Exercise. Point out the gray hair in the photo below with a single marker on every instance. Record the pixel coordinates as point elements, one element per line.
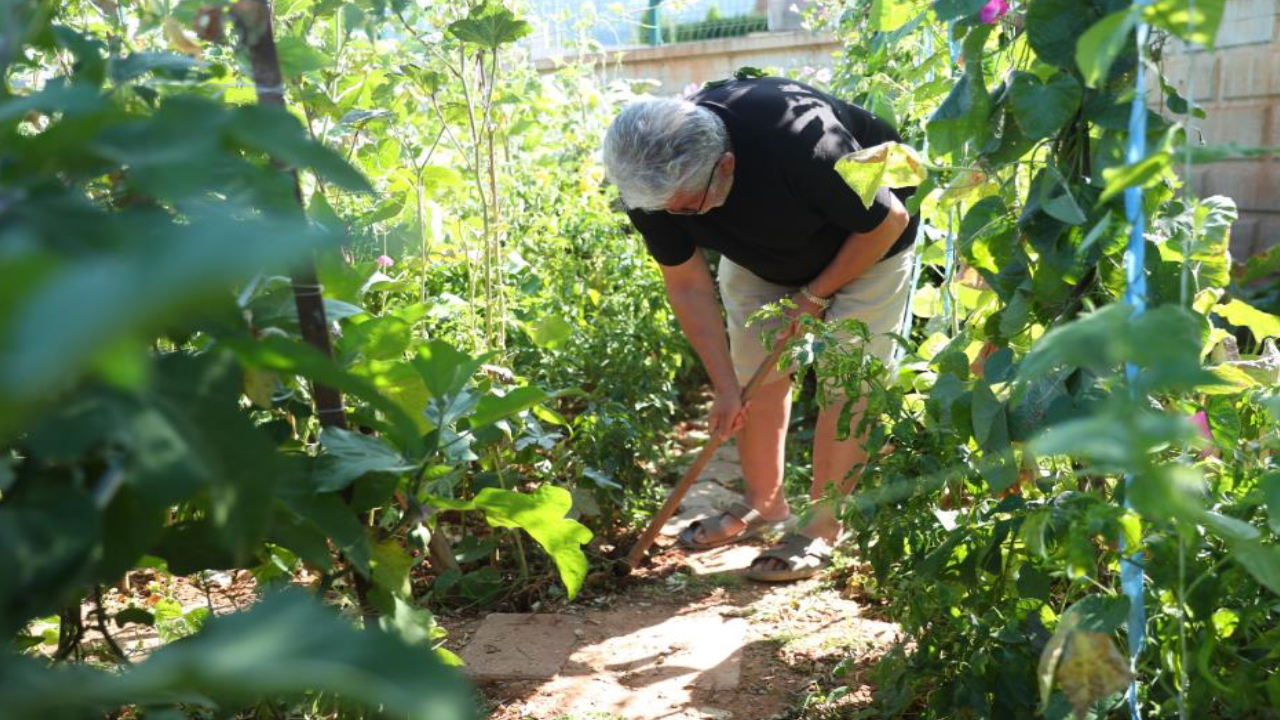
<point>658,147</point>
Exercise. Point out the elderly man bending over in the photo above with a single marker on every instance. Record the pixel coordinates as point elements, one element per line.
<point>747,168</point>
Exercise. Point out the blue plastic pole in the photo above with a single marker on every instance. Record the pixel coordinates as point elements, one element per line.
<point>1136,296</point>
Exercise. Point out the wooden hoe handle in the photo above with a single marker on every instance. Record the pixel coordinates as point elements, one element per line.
<point>678,492</point>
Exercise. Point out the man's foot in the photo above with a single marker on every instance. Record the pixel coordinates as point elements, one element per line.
<point>738,522</point>
<point>795,558</point>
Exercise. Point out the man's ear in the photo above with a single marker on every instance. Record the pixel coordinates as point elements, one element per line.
<point>726,163</point>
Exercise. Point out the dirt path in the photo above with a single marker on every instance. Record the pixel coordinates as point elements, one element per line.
<point>689,639</point>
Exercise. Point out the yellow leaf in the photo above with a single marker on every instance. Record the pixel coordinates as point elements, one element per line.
<point>259,386</point>
<point>889,164</point>
<point>1091,669</point>
<point>970,186</point>
<point>179,40</point>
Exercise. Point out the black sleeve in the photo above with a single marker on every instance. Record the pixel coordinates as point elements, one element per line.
<point>832,197</point>
<point>666,241</point>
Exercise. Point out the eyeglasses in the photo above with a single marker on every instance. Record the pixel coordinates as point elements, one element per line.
<point>705,193</point>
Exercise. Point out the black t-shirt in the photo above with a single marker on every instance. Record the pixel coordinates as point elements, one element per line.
<point>788,212</point>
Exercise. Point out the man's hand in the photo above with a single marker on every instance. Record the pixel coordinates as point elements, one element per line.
<point>727,412</point>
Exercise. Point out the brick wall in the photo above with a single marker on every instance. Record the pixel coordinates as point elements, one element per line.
<point>1238,85</point>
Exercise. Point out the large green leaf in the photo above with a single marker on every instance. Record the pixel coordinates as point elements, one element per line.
<point>889,164</point>
<point>91,302</point>
<point>1194,20</point>
<point>47,541</point>
<point>1042,108</point>
<point>298,57</point>
<point>284,355</point>
<point>490,26</point>
<point>1164,343</point>
<point>962,116</point>
<point>276,132</point>
<point>1102,43</point>
<point>445,369</point>
<point>887,15</point>
<point>1054,27</point>
<point>1262,561</point>
<point>1144,173</point>
<point>990,422</point>
<point>283,647</point>
<point>1237,312</point>
<point>552,332</point>
<point>493,407</point>
<point>1270,486</point>
<point>542,515</point>
<point>348,456</point>
<point>1207,227</point>
<point>956,9</point>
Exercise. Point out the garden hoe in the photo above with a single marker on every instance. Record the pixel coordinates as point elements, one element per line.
<point>634,558</point>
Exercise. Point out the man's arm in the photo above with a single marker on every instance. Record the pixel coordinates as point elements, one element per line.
<point>860,251</point>
<point>692,293</point>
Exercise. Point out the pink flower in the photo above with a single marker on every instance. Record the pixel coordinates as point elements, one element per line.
<point>1201,420</point>
<point>994,9</point>
<point>384,261</point>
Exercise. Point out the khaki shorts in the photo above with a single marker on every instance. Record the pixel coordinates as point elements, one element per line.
<point>878,298</point>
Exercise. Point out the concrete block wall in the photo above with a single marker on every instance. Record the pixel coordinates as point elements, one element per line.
<point>1238,85</point>
<point>678,65</point>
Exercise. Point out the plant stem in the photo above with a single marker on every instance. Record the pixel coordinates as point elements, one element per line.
<point>102,627</point>
<point>521,558</point>
<point>253,18</point>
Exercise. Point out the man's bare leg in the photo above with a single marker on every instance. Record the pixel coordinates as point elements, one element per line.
<point>761,446</point>
<point>832,461</point>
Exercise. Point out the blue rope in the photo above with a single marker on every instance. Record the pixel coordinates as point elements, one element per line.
<point>1136,296</point>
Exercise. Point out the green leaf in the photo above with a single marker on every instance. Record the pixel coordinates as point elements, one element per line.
<point>1241,314</point>
<point>1042,108</point>
<point>288,356</point>
<point>956,9</point>
<point>331,517</point>
<point>542,515</point>
<point>1057,201</point>
<point>135,65</point>
<point>1102,43</point>
<point>990,423</point>
<point>348,456</point>
<point>413,623</point>
<point>1100,613</point>
<point>964,113</point>
<point>1262,562</point>
<point>47,541</point>
<point>1208,223</point>
<point>391,564</point>
<point>1198,24</point>
<point>962,116</point>
<point>888,15</point>
<point>1270,486</point>
<point>1144,173</point>
<point>80,309</point>
<point>552,332</point>
<point>286,645</point>
<point>276,132</point>
<point>1051,657</point>
<point>134,615</point>
<point>492,407</point>
<point>1261,265</point>
<point>1053,27</point>
<point>297,57</point>
<point>888,164</point>
<point>490,26</point>
<point>444,369</point>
